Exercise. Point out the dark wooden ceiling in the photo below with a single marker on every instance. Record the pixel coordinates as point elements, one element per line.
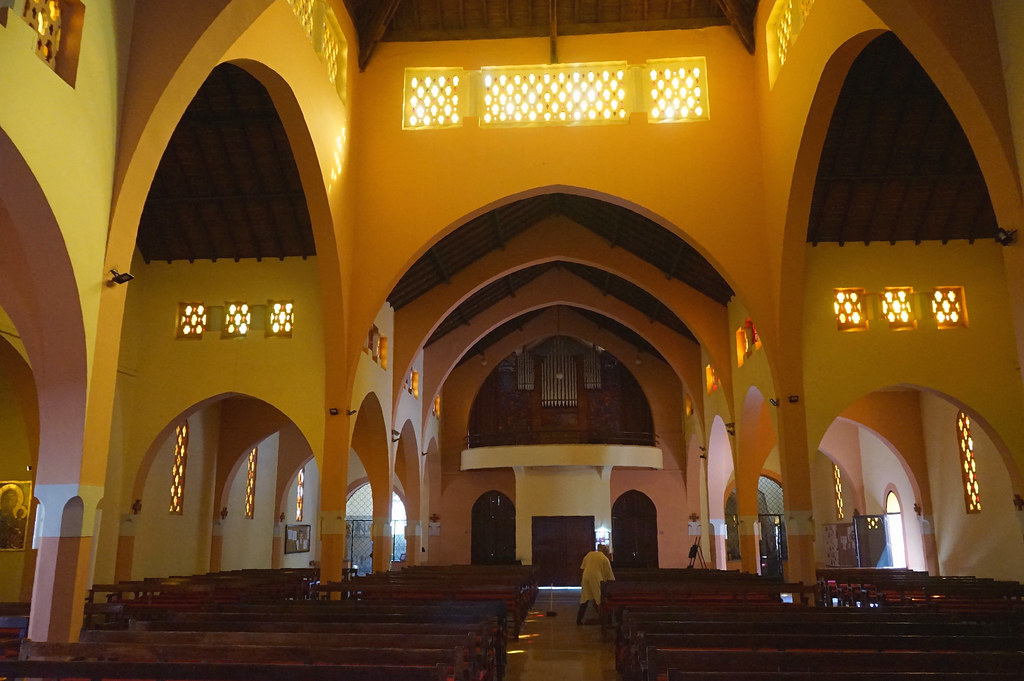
<point>426,20</point>
<point>621,227</point>
<point>896,165</point>
<point>227,185</point>
<point>606,282</point>
<point>597,319</point>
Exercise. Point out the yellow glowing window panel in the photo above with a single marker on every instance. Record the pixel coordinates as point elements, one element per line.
<point>300,493</point>
<point>280,318</point>
<point>414,384</point>
<point>45,18</point>
<point>335,51</point>
<point>434,98</point>
<point>191,320</point>
<point>577,94</point>
<point>178,469</point>
<point>437,407</point>
<point>711,379</point>
<point>237,319</point>
<point>848,305</point>
<point>783,27</point>
<point>688,405</point>
<point>873,522</point>
<point>383,352</point>
<point>968,465</point>
<point>949,307</point>
<point>305,12</point>
<point>250,486</point>
<point>896,307</point>
<point>838,478</point>
<point>676,90</point>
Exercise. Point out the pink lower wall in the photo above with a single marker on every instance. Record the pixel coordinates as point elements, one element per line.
<point>668,492</point>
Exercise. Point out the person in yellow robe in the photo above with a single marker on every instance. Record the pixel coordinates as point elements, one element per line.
<point>596,569</point>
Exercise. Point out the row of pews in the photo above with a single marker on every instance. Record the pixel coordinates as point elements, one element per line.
<point>741,639</point>
<point>883,587</point>
<point>170,634</point>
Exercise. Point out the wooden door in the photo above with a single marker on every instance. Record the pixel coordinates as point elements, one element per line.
<point>493,538</point>
<point>635,531</point>
<point>559,544</point>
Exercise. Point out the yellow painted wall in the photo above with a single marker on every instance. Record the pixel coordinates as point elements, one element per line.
<point>986,544</point>
<point>248,541</point>
<point>168,544</point>
<point>841,367</point>
<point>167,376</point>
<point>541,491</point>
<point>15,462</point>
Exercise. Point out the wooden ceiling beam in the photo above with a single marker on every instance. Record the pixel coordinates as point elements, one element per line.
<point>738,17</point>
<point>380,13</point>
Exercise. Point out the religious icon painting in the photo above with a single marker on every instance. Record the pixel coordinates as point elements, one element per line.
<point>15,504</point>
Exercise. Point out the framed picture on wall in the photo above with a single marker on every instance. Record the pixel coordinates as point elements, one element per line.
<point>15,504</point>
<point>296,538</point>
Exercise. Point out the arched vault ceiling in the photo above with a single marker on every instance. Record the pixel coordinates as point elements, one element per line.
<point>621,227</point>
<point>423,20</point>
<point>227,185</point>
<point>896,165</point>
<point>598,320</point>
<point>607,283</point>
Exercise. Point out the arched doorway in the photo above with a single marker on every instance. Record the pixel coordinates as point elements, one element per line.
<point>770,514</point>
<point>894,529</point>
<point>635,531</point>
<point>493,537</point>
<point>358,527</point>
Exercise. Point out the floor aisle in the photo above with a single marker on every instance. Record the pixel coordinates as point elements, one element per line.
<point>555,648</point>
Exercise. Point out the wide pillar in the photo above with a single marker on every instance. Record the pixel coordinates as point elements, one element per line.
<point>64,560</point>
<point>796,482</point>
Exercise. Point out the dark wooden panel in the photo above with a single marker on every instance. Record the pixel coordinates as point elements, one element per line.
<point>559,544</point>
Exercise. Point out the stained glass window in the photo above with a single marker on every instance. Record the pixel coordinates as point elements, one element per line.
<point>300,492</point>
<point>838,479</point>
<point>250,486</point>
<point>178,469</point>
<point>968,465</point>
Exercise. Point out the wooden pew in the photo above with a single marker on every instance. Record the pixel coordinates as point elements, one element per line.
<point>454,659</point>
<point>94,670</point>
<point>688,675</point>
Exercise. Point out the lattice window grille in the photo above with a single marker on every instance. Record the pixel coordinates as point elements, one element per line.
<point>178,466</point>
<point>896,307</point>
<point>305,11</point>
<point>191,320</point>
<point>669,90</point>
<point>237,319</point>
<point>543,95</point>
<point>592,370</point>
<point>838,479</point>
<point>45,17</point>
<point>280,318</point>
<point>558,377</point>
<point>949,307</point>
<point>769,497</point>
<point>524,371</point>
<point>360,504</point>
<point>848,305</point>
<point>968,464</point>
<point>250,486</point>
<point>676,90</point>
<point>300,493</point>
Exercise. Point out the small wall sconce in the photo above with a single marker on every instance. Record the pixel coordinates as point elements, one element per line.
<point>136,506</point>
<point>224,513</point>
<point>120,277</point>
<point>281,517</point>
<point>730,428</point>
<point>772,401</point>
<point>793,399</point>
<point>333,411</point>
<point>395,436</point>
<point>1005,237</point>
<point>350,411</point>
<point>1018,502</point>
<point>917,508</point>
<point>434,518</point>
<point>423,453</point>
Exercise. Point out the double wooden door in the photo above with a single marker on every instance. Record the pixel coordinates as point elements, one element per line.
<point>559,544</point>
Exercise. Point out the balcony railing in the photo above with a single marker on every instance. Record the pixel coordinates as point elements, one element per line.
<point>560,437</point>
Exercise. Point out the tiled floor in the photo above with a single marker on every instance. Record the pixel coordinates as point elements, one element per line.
<point>555,648</point>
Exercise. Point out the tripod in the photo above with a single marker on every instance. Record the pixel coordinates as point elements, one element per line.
<point>697,553</point>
